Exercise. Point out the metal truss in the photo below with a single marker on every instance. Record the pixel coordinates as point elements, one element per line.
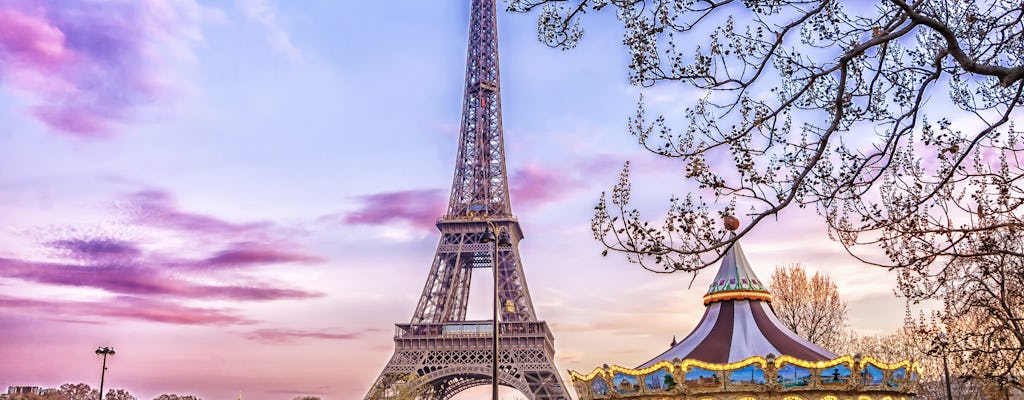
<point>439,354</point>
<point>452,357</point>
<point>480,186</point>
<point>460,251</point>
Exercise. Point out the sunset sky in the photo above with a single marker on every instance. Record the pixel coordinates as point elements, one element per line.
<point>239,197</point>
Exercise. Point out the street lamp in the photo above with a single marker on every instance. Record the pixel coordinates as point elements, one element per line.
<point>940,341</point>
<point>104,351</point>
<point>499,238</point>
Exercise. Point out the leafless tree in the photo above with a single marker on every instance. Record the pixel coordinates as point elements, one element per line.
<point>167,396</point>
<point>809,305</point>
<point>118,394</point>
<point>983,309</point>
<point>893,119</point>
<point>78,391</point>
<point>809,103</point>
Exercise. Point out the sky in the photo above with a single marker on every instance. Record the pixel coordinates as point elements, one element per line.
<point>240,196</point>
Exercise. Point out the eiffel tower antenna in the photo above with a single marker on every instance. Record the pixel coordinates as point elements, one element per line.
<point>439,353</point>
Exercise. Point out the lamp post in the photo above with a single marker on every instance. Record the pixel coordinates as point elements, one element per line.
<point>104,351</point>
<point>498,238</point>
<point>940,341</point>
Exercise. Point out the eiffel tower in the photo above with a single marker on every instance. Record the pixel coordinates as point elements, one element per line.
<point>439,353</point>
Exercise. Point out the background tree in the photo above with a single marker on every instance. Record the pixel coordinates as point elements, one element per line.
<point>983,308</point>
<point>118,394</point>
<point>916,341</point>
<point>893,120</point>
<point>398,388</point>
<point>78,391</point>
<point>167,396</point>
<point>809,305</point>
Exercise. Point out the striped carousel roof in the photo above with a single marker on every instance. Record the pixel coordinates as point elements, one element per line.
<point>739,323</point>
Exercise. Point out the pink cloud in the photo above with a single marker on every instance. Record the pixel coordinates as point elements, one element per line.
<point>87,65</point>
<point>124,307</point>
<point>246,254</point>
<point>419,208</point>
<point>289,335</point>
<point>135,279</point>
<point>150,284</point>
<point>71,119</point>
<point>531,186</point>
<point>30,40</point>
<point>534,185</point>
<point>157,311</point>
<point>158,209</point>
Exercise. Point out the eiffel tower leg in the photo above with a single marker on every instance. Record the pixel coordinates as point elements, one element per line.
<point>537,368</point>
<point>428,364</point>
<point>398,379</point>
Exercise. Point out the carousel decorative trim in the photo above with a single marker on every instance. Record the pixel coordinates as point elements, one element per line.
<point>845,377</point>
<point>737,295</point>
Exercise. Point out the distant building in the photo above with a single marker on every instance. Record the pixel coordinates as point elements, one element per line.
<point>13,390</point>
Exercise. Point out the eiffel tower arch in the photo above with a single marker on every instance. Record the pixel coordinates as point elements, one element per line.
<point>439,353</point>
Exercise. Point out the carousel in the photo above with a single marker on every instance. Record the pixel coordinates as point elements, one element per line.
<point>741,351</point>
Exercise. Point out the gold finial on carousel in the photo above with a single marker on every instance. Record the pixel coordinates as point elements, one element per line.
<point>731,223</point>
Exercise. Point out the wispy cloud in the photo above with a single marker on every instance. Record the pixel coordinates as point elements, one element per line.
<point>418,208</point>
<point>290,335</point>
<point>124,307</point>
<point>96,248</point>
<point>167,266</point>
<point>134,279</point>
<point>265,14</point>
<point>248,254</point>
<point>158,209</point>
<point>534,185</point>
<point>89,65</point>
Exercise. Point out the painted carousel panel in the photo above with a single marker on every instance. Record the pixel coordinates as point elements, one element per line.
<point>871,375</point>
<point>791,376</point>
<point>625,384</point>
<point>750,375</point>
<point>599,387</point>
<point>838,375</point>
<point>897,378</point>
<point>660,380</point>
<point>701,378</point>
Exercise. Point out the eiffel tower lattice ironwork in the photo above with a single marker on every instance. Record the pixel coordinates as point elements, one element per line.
<point>439,354</point>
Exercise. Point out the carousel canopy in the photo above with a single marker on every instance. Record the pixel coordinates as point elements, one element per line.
<point>739,323</point>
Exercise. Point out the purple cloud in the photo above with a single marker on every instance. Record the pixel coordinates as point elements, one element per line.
<point>87,64</point>
<point>289,335</point>
<point>535,185</point>
<point>246,254</point>
<point>531,186</point>
<point>124,307</point>
<point>419,208</point>
<point>151,282</point>
<point>158,209</point>
<point>96,248</point>
<point>134,279</point>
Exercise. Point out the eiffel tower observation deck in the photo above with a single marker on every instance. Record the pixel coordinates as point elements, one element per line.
<point>439,353</point>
